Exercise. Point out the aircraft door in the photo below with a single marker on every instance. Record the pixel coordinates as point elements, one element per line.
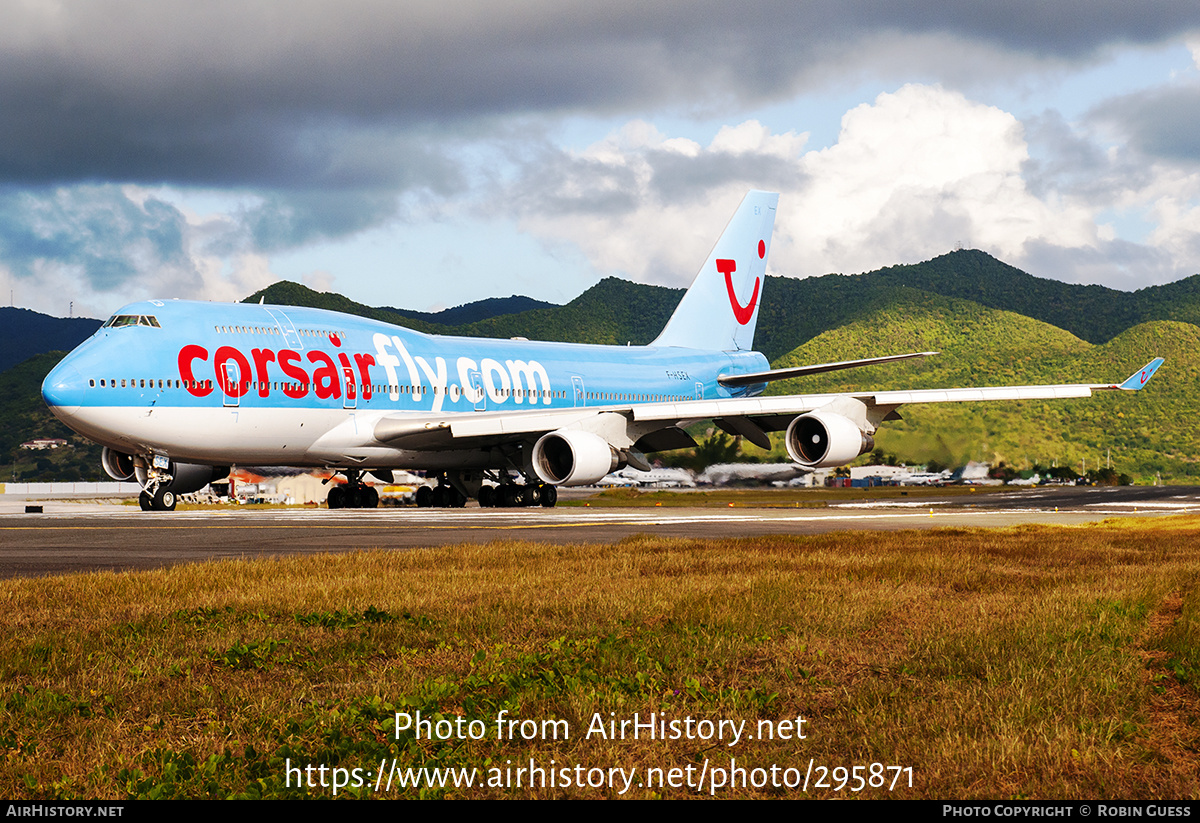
<point>699,391</point>
<point>349,389</point>
<point>285,326</point>
<point>577,391</point>
<point>229,384</point>
<point>477,389</point>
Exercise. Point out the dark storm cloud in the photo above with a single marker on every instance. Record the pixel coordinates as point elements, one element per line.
<point>1118,264</point>
<point>1159,123</point>
<point>560,183</point>
<point>554,182</point>
<point>289,219</point>
<point>273,93</point>
<point>680,178</point>
<point>1072,160</point>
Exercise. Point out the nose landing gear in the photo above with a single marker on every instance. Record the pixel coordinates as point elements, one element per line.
<point>156,493</point>
<point>161,499</point>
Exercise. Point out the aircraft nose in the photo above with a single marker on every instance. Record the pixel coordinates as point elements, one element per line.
<point>63,390</point>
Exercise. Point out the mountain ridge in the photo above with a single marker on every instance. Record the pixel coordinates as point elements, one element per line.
<point>833,317</point>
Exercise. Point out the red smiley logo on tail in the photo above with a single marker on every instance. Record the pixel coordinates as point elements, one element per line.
<point>727,267</point>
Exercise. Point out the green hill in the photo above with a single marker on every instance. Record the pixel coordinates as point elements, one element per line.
<point>613,311</point>
<point>26,418</point>
<point>287,293</point>
<point>24,333</point>
<point>794,311</point>
<point>1148,432</point>
<point>994,325</point>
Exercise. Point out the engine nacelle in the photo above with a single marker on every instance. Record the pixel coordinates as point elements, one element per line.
<point>117,465</point>
<point>191,477</point>
<point>821,439</point>
<point>185,477</point>
<point>573,458</point>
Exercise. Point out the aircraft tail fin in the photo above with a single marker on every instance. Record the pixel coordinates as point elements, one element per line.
<point>720,310</point>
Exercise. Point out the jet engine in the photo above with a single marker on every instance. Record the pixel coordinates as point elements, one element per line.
<point>573,458</point>
<point>191,477</point>
<point>185,477</point>
<point>821,439</point>
<point>117,465</point>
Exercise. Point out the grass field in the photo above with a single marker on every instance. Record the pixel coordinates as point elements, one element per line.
<point>1036,662</point>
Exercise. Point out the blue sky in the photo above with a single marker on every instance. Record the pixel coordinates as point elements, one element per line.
<point>422,155</point>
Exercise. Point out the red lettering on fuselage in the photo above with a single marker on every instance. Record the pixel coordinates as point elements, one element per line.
<point>261,358</point>
<point>365,361</point>
<point>287,362</point>
<point>186,355</point>
<point>235,385</point>
<point>325,377</point>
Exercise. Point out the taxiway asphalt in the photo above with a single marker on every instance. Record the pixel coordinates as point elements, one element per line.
<point>77,536</point>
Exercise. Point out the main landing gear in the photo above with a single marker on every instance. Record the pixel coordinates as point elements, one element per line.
<point>451,493</point>
<point>442,496</point>
<point>510,495</point>
<point>353,494</point>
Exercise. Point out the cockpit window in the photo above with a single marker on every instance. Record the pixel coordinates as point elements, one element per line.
<point>132,320</point>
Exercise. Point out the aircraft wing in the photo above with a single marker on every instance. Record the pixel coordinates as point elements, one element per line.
<point>749,417</point>
<point>819,368</point>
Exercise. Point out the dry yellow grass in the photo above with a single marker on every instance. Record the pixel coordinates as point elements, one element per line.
<point>1028,662</point>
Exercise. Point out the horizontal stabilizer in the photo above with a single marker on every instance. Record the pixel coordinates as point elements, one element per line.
<point>819,368</point>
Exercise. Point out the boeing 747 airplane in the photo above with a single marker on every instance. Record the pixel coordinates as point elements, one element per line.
<point>178,391</point>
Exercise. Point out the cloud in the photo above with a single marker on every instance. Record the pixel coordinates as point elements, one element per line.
<point>99,230</point>
<point>912,175</point>
<point>286,220</point>
<point>1158,123</point>
<point>645,205</point>
<point>103,245</point>
<point>324,120</point>
<point>340,94</point>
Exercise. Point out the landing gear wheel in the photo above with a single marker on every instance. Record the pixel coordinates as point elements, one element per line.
<point>424,497</point>
<point>532,496</point>
<point>145,502</point>
<point>369,498</point>
<point>163,500</point>
<point>336,498</point>
<point>487,497</point>
<point>549,496</point>
<point>509,495</point>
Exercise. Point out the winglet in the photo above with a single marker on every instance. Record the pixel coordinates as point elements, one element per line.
<point>1141,377</point>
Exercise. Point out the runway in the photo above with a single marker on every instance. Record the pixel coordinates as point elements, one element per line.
<point>78,536</point>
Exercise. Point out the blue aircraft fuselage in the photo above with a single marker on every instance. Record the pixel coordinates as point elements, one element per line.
<point>252,383</point>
